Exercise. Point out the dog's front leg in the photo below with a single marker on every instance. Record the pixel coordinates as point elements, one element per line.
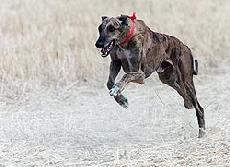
<point>115,67</point>
<point>117,88</point>
<point>137,77</point>
<point>133,58</point>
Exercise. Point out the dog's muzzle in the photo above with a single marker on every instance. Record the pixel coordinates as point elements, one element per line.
<point>105,51</point>
<point>108,48</point>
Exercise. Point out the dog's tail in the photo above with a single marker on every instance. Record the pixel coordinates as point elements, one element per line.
<point>195,67</point>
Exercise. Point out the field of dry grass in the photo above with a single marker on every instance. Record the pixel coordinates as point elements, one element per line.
<point>56,111</point>
<point>51,43</point>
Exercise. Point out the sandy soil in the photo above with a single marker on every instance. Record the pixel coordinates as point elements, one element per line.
<point>83,126</point>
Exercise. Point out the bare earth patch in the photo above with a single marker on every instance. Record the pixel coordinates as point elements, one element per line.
<point>83,126</point>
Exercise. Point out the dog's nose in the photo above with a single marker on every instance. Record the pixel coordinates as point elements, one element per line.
<point>99,44</point>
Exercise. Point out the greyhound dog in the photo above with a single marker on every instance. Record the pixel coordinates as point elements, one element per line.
<point>140,52</point>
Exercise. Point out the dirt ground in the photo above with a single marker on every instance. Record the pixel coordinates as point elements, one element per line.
<point>83,126</point>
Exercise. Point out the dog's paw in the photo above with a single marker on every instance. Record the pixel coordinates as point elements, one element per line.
<point>201,133</point>
<point>114,91</point>
<point>122,101</point>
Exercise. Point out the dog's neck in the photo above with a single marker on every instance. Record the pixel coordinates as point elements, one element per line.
<point>131,31</point>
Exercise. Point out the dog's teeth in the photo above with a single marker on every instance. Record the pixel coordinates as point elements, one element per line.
<point>103,51</point>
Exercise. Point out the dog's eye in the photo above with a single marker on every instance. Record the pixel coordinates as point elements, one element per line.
<point>111,28</point>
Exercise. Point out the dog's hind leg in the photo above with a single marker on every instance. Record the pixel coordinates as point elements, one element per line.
<point>171,76</point>
<point>199,110</point>
<point>185,68</point>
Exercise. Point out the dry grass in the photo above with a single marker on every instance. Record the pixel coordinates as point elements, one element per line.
<point>51,43</point>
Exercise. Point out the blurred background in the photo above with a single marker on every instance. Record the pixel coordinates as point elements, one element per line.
<point>51,43</point>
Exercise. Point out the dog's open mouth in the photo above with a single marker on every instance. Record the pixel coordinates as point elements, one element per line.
<point>107,49</point>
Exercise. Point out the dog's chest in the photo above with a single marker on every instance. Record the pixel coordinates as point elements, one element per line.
<point>123,54</point>
<point>128,59</point>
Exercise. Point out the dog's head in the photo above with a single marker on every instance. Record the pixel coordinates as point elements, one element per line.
<point>111,32</point>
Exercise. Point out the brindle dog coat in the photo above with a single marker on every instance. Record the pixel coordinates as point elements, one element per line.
<point>144,53</point>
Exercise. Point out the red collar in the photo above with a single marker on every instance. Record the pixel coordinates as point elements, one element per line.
<point>131,31</point>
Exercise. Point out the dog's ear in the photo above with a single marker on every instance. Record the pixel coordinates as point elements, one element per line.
<point>103,18</point>
<point>123,19</point>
